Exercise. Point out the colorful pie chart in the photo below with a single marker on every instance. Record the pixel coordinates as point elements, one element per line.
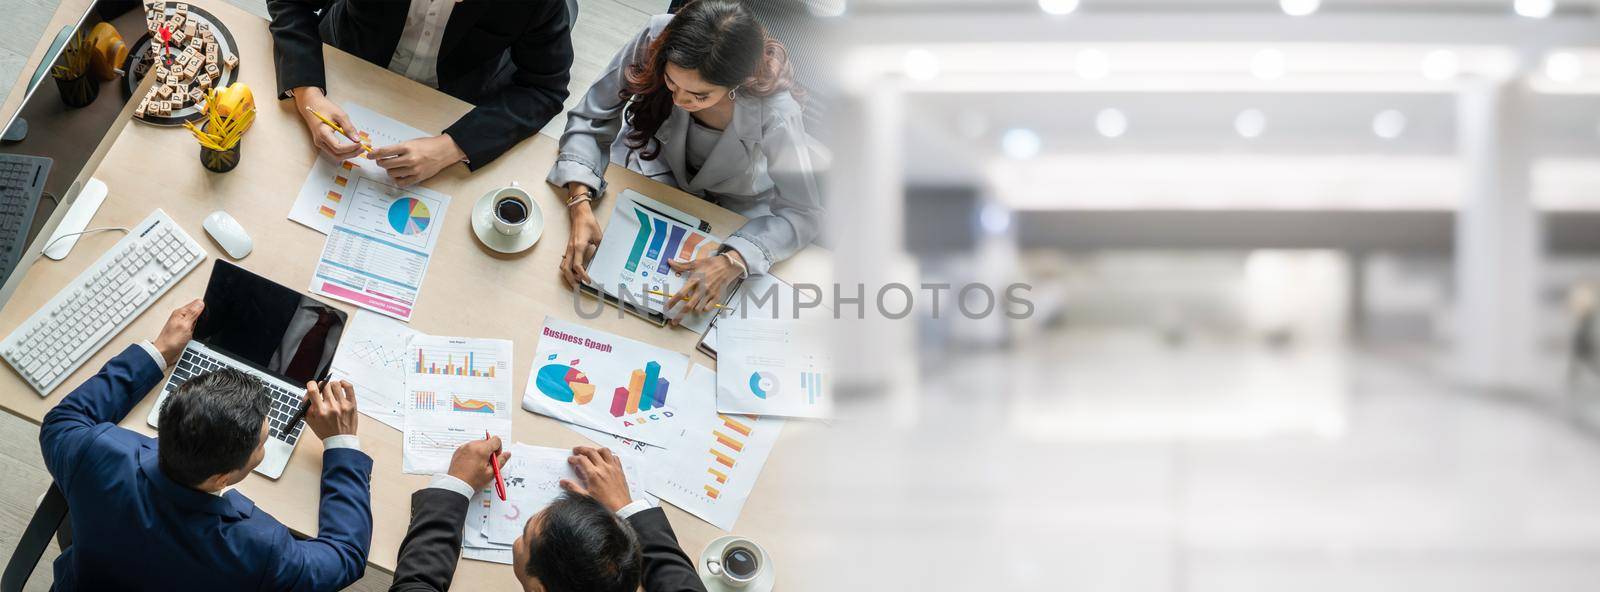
<point>565,384</point>
<point>763,384</point>
<point>408,215</point>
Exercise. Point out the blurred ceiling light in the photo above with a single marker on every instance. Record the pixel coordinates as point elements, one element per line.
<point>1441,64</point>
<point>921,64</point>
<point>1058,7</point>
<point>1021,143</point>
<point>1111,123</point>
<point>1389,124</point>
<point>1092,64</point>
<point>1268,64</point>
<point>1250,123</point>
<point>1534,8</point>
<point>826,8</point>
<point>1562,66</point>
<point>995,218</point>
<point>1299,7</point>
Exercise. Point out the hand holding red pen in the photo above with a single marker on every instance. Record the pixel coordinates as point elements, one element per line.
<point>471,462</point>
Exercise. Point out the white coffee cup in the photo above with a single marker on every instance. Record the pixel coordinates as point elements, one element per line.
<point>512,210</point>
<point>741,562</point>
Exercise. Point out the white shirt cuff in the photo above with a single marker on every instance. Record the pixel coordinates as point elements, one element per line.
<point>449,483</point>
<point>155,354</point>
<point>341,441</point>
<point>634,507</point>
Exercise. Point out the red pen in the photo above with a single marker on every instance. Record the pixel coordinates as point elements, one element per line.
<point>494,463</point>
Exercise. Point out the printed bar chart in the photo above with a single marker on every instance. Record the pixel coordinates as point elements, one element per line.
<point>635,397</point>
<point>469,366</point>
<point>423,400</point>
<point>811,382</point>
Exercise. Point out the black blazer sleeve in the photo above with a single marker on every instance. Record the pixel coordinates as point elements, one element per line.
<point>432,545</point>
<point>542,57</point>
<point>296,44</point>
<point>666,567</point>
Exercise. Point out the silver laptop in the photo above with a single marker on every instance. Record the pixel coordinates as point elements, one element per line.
<point>269,331</point>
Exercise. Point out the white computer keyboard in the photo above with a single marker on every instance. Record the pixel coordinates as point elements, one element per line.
<point>101,301</point>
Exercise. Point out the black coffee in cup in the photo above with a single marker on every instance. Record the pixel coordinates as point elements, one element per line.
<point>511,210</point>
<point>740,562</point>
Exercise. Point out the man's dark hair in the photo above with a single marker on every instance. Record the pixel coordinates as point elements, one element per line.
<point>211,425</point>
<point>583,547</point>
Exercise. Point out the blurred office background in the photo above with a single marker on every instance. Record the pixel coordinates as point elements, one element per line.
<point>1307,280</point>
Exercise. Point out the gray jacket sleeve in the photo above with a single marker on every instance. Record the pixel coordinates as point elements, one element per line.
<point>594,123</point>
<point>796,204</point>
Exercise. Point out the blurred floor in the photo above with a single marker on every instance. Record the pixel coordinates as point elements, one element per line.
<point>1101,461</point>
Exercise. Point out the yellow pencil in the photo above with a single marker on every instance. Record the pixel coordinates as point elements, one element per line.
<point>669,296</point>
<point>329,122</point>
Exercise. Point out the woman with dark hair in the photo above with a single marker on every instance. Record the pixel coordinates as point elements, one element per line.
<point>706,101</point>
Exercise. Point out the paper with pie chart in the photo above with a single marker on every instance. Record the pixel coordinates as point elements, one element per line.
<point>378,250</point>
<point>457,390</point>
<point>773,367</point>
<point>605,382</point>
<point>533,479</point>
<point>323,194</point>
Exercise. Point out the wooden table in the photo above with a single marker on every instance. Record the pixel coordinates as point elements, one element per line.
<point>508,296</point>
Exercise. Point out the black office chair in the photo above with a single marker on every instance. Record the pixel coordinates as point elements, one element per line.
<point>46,524</point>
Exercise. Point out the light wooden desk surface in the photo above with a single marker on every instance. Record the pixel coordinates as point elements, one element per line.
<point>469,291</point>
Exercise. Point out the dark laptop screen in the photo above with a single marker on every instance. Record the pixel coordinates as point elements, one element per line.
<point>266,325</point>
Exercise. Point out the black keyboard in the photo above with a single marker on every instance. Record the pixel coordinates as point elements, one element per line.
<point>282,408</point>
<point>22,180</point>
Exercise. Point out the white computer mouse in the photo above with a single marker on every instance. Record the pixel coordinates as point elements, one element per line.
<point>228,233</point>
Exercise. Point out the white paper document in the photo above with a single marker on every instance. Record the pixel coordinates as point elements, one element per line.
<point>323,195</point>
<point>758,297</point>
<point>767,367</point>
<point>603,381</point>
<point>378,251</point>
<point>710,469</point>
<point>372,356</point>
<point>457,390</point>
<point>533,480</point>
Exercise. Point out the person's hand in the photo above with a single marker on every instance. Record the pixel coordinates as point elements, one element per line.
<point>178,330</point>
<point>470,462</point>
<point>708,278</point>
<point>328,141</point>
<point>582,241</point>
<point>602,475</point>
<point>331,410</point>
<point>414,161</point>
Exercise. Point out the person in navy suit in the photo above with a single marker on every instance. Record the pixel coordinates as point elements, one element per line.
<point>158,515</point>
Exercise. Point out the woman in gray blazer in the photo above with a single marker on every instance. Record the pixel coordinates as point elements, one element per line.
<point>703,100</point>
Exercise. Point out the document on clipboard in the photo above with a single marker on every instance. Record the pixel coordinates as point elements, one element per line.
<point>631,266</point>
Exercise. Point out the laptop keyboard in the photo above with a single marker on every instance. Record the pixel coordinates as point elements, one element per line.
<point>282,408</point>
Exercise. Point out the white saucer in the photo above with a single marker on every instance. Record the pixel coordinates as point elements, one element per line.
<point>763,583</point>
<point>483,226</point>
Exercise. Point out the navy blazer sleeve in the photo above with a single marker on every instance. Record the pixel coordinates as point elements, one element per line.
<point>96,405</point>
<point>428,556</point>
<point>337,556</point>
<point>543,58</point>
<point>666,567</point>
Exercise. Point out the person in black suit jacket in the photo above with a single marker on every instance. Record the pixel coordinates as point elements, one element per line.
<point>509,59</point>
<point>591,539</point>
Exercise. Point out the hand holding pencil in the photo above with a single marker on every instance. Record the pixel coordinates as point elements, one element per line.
<point>336,139</point>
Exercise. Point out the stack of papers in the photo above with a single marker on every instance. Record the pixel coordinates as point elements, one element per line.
<point>711,465</point>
